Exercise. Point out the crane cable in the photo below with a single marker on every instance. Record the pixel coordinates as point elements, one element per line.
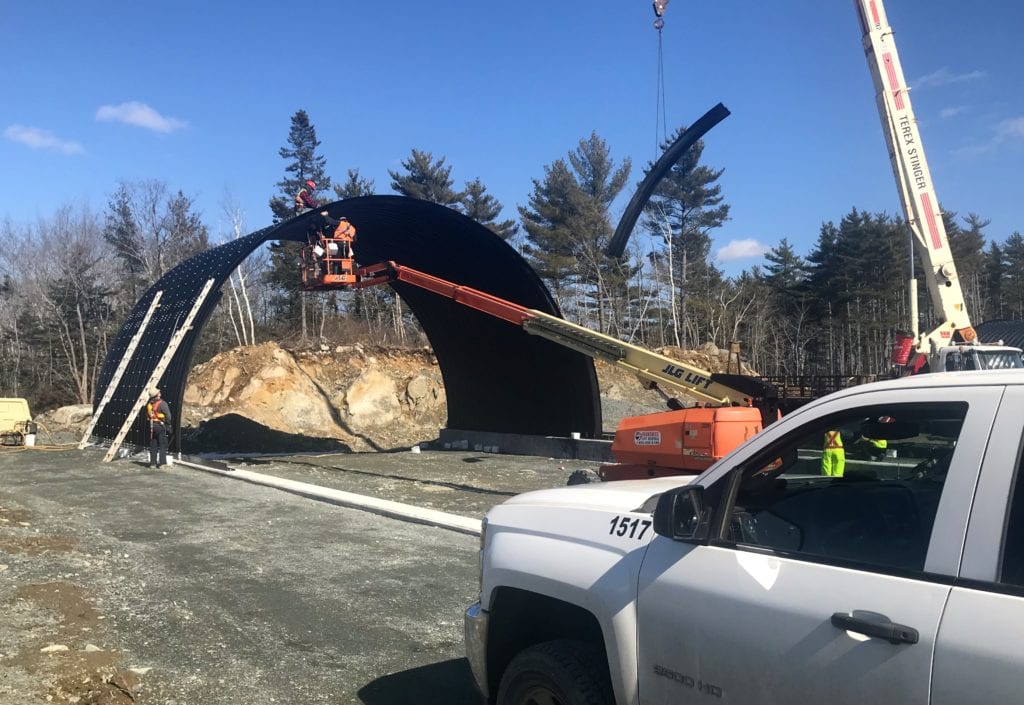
<point>660,119</point>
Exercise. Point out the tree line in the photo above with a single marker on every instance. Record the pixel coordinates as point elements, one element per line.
<point>833,310</point>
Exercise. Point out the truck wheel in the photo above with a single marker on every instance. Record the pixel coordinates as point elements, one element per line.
<point>557,673</point>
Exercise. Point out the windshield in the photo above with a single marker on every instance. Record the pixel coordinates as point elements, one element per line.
<point>996,360</point>
<point>992,360</point>
<point>968,359</point>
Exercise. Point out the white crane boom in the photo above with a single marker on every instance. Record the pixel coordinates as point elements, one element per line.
<point>917,191</point>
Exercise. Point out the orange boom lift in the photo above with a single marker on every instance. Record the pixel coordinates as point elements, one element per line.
<point>681,441</point>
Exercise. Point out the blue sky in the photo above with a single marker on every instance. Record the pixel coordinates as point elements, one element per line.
<point>199,95</point>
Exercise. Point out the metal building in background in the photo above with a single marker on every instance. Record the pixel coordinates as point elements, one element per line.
<point>496,377</point>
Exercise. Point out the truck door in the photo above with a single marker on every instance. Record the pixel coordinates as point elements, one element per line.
<point>978,658</point>
<point>828,558</point>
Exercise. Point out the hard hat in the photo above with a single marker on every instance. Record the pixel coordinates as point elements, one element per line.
<point>154,392</point>
<point>311,183</point>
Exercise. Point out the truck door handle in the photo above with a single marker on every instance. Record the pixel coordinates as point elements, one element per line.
<point>890,631</point>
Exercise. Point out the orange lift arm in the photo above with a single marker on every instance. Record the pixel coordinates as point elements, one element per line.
<point>385,272</point>
<point>653,370</point>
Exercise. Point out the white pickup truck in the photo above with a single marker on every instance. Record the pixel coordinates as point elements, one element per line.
<point>897,578</point>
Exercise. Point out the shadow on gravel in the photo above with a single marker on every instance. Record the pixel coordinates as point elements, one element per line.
<point>232,433</point>
<point>443,683</point>
<point>418,480</point>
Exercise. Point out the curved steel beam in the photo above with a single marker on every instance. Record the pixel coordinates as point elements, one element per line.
<point>666,161</point>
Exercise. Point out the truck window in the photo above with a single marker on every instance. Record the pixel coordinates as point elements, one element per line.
<point>861,486</point>
<point>1012,571</point>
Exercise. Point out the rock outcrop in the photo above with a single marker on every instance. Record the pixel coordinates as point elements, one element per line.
<point>365,399</point>
<point>264,398</point>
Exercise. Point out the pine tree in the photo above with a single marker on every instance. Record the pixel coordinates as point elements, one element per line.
<point>1013,288</point>
<point>685,207</point>
<point>967,246</point>
<point>855,281</point>
<point>186,233</point>
<point>485,209</point>
<point>995,273</point>
<point>122,233</point>
<point>305,164</point>
<point>786,270</point>
<point>425,179</point>
<point>549,222</point>
<point>354,186</point>
<point>152,232</point>
<point>568,227</point>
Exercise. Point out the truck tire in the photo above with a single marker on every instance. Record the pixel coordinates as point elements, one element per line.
<point>559,672</point>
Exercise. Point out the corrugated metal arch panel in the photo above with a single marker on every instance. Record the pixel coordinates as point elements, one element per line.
<point>1010,332</point>
<point>496,377</point>
<point>181,287</point>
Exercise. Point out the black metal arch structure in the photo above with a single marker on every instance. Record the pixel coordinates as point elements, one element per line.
<point>1010,332</point>
<point>496,377</point>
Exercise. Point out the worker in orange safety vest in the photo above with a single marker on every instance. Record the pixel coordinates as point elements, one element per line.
<point>345,234</point>
<point>833,456</point>
<point>304,199</point>
<point>337,245</point>
<point>159,414</point>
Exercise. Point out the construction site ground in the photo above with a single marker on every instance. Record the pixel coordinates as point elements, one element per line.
<point>124,584</point>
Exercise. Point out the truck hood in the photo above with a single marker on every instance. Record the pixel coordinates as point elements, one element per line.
<point>618,496</point>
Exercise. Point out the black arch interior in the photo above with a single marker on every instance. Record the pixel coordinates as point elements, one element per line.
<point>497,378</point>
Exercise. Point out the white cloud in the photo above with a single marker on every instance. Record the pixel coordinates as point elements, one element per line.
<point>741,249</point>
<point>36,138</point>
<point>952,111</point>
<point>1007,132</point>
<point>1010,129</point>
<point>945,77</point>
<point>140,115</point>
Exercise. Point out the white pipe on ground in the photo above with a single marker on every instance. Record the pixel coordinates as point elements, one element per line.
<point>384,507</point>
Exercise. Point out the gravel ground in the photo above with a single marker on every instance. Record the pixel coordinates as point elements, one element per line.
<point>121,584</point>
<point>456,482</point>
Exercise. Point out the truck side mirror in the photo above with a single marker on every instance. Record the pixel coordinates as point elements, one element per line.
<point>681,515</point>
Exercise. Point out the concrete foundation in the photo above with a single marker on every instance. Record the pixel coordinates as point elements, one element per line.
<point>598,450</point>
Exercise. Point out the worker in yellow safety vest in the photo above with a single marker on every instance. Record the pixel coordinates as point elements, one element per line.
<point>876,447</point>
<point>833,456</point>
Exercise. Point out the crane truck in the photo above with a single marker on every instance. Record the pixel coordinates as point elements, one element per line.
<point>764,581</point>
<point>953,344</point>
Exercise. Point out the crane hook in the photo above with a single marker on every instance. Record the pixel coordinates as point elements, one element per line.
<point>659,7</point>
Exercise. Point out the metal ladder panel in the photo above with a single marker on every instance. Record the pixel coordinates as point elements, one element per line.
<point>121,367</point>
<point>158,371</point>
